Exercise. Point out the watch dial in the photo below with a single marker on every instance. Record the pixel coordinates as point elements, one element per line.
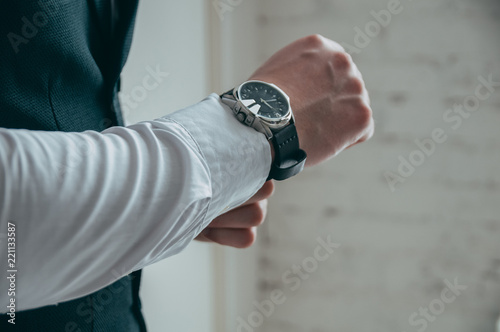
<point>264,100</point>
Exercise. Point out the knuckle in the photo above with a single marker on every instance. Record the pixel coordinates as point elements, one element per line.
<point>355,86</point>
<point>342,61</point>
<point>364,113</point>
<point>315,40</point>
<point>371,130</point>
<point>319,41</point>
<point>368,133</point>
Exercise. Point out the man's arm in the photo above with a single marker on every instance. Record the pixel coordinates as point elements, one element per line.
<point>91,207</point>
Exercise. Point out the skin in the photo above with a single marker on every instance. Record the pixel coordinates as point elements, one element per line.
<point>331,107</point>
<point>238,227</point>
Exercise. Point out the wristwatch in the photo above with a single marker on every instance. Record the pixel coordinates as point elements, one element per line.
<point>266,108</point>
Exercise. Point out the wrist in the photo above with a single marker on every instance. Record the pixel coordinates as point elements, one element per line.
<point>266,108</point>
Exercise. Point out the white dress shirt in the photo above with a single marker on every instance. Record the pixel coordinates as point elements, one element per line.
<point>90,208</point>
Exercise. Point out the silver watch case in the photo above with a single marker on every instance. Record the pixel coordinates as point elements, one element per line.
<point>260,123</point>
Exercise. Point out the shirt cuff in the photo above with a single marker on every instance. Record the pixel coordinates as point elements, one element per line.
<point>238,157</point>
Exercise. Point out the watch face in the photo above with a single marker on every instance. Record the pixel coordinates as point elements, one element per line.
<point>264,100</point>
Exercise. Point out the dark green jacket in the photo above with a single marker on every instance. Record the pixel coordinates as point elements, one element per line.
<point>60,63</point>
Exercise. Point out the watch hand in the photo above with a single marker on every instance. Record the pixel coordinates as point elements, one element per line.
<point>265,102</point>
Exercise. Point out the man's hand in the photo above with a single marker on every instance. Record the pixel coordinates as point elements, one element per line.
<point>327,95</point>
<point>237,228</point>
<point>332,112</point>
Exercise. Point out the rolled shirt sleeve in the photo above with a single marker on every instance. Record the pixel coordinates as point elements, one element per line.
<point>89,208</point>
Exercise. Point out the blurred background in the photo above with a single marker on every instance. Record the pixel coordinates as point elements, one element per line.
<point>413,214</point>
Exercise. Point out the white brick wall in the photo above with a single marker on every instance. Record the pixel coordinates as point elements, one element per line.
<point>397,248</point>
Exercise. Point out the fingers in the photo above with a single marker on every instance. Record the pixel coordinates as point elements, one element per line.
<point>247,216</point>
<point>236,228</point>
<point>237,238</point>
<point>265,192</point>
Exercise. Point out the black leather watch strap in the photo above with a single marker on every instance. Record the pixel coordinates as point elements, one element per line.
<point>289,159</point>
